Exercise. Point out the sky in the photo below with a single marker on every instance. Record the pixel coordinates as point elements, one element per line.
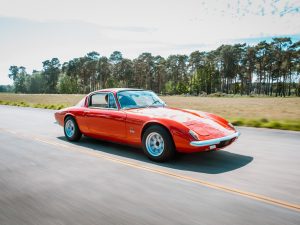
<point>32,31</point>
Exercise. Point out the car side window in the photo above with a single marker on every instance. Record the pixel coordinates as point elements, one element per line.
<point>102,100</point>
<point>111,101</point>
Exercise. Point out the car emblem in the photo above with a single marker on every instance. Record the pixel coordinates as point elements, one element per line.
<point>131,130</point>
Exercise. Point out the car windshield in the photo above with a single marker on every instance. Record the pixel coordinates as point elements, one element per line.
<point>138,99</point>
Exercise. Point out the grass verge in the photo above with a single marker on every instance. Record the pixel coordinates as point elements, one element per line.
<point>38,105</point>
<point>262,122</point>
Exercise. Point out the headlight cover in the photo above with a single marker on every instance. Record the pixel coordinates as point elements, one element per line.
<point>230,124</point>
<point>193,134</point>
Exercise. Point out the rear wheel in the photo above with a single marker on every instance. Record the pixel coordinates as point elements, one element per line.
<point>158,144</point>
<point>71,129</point>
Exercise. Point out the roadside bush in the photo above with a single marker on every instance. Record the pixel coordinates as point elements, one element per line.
<point>238,122</point>
<point>264,120</point>
<point>202,94</point>
<point>254,123</point>
<point>217,94</point>
<point>274,125</point>
<point>60,107</point>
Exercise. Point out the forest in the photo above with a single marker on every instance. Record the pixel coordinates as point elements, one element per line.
<point>267,68</point>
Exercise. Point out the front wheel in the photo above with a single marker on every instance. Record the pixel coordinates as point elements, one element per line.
<point>71,129</point>
<point>158,144</point>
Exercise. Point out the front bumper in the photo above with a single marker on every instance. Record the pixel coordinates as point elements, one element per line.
<point>215,141</point>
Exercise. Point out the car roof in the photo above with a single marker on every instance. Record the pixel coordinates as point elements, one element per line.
<point>115,90</point>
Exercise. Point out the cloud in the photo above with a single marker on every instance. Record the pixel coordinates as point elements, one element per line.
<point>33,30</point>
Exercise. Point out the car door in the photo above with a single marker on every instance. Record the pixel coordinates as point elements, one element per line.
<point>103,118</point>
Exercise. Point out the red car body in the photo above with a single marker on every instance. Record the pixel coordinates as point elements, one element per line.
<point>127,125</point>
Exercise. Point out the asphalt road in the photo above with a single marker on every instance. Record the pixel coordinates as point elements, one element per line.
<point>46,180</point>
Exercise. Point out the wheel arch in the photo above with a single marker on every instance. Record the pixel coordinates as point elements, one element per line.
<point>169,150</point>
<point>152,123</point>
<point>69,115</point>
<point>77,131</point>
<point>74,117</point>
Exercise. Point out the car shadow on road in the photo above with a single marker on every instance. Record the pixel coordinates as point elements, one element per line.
<point>214,162</point>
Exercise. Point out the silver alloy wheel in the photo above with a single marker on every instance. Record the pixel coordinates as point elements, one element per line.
<point>70,128</point>
<point>155,144</point>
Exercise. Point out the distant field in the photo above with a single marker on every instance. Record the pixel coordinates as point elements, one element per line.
<point>42,98</point>
<point>237,107</point>
<point>249,111</point>
<point>241,107</point>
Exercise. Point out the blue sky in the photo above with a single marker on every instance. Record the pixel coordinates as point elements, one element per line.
<point>32,31</point>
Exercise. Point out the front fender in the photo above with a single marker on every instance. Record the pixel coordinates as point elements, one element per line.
<point>178,131</point>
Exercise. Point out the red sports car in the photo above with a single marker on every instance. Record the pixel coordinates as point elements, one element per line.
<point>139,117</point>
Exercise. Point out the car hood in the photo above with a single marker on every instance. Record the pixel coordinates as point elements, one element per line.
<point>202,123</point>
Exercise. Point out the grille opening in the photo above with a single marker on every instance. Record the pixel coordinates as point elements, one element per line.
<point>225,143</point>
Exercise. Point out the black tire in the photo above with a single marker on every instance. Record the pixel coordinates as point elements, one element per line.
<point>75,135</point>
<point>168,151</point>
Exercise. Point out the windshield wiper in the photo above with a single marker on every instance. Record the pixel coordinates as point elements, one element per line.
<point>156,101</point>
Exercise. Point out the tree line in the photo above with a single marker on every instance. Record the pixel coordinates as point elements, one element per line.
<point>267,68</point>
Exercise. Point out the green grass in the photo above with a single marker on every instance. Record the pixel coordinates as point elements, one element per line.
<point>38,105</point>
<point>264,123</point>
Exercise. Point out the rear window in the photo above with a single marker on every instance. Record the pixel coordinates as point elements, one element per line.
<point>98,100</point>
<point>102,100</point>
